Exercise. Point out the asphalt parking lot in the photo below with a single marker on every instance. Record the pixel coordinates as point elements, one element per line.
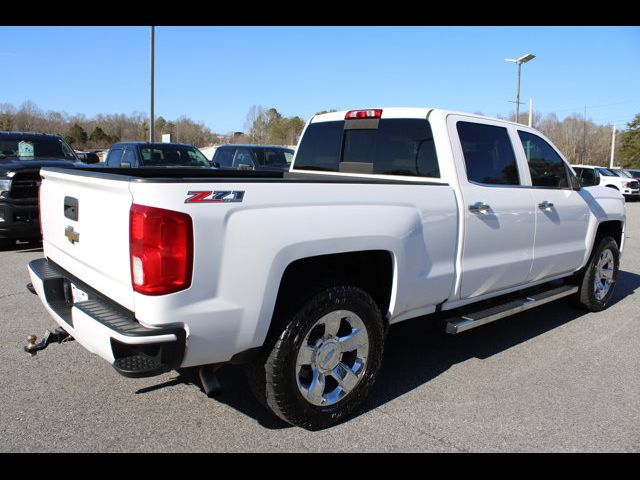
<point>550,379</point>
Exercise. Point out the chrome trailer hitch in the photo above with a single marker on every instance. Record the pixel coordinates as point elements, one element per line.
<point>59,335</point>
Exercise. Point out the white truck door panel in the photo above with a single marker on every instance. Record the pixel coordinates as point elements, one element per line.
<point>561,231</point>
<point>499,226</point>
<point>562,215</point>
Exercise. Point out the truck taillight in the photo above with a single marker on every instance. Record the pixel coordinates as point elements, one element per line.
<point>161,250</point>
<point>371,113</point>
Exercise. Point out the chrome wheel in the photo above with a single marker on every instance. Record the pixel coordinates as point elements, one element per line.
<point>333,358</point>
<point>603,278</point>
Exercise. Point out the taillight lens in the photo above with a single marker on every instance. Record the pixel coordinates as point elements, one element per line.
<point>161,250</point>
<point>371,113</point>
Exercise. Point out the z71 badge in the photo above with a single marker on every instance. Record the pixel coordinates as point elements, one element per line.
<point>218,196</point>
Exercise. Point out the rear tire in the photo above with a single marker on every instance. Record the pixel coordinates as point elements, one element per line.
<point>598,279</point>
<point>325,360</point>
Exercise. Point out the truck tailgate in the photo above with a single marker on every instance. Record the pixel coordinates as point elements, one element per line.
<point>92,242</point>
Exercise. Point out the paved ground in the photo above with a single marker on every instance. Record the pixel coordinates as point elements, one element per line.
<point>551,379</point>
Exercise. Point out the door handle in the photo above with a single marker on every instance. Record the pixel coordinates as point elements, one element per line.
<point>545,205</point>
<point>479,207</point>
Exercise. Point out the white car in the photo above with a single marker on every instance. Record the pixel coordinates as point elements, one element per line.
<point>593,175</point>
<point>386,215</point>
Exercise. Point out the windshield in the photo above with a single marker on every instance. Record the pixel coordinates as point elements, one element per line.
<point>18,147</point>
<point>172,155</point>
<point>620,173</point>
<point>606,172</point>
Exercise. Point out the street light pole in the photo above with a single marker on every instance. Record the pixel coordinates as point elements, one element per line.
<point>519,61</point>
<point>151,132</point>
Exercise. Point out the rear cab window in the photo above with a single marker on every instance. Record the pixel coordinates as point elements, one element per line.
<point>488,154</point>
<point>393,146</point>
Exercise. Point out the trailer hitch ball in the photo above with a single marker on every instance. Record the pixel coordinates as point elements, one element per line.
<point>59,335</point>
<point>31,343</point>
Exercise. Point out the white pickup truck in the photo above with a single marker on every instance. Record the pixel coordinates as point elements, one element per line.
<point>386,215</point>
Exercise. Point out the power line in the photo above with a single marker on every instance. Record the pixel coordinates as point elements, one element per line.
<point>598,106</point>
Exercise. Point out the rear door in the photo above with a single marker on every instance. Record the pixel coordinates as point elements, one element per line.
<point>499,220</point>
<point>562,215</point>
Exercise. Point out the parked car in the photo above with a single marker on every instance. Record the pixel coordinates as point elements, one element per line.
<point>145,154</point>
<point>590,175</point>
<point>253,157</point>
<point>631,173</point>
<point>87,157</point>
<point>21,156</point>
<point>385,215</point>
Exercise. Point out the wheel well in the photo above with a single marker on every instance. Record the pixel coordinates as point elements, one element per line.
<point>612,228</point>
<point>371,270</point>
<point>613,186</point>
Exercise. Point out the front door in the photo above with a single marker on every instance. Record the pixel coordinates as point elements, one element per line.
<point>499,221</point>
<point>562,215</point>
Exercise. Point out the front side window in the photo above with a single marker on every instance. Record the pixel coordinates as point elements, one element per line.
<point>113,158</point>
<point>243,159</point>
<point>488,154</point>
<point>588,177</point>
<point>224,157</point>
<point>129,157</point>
<point>545,165</point>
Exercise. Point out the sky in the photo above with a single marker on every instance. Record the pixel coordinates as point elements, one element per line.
<point>215,75</point>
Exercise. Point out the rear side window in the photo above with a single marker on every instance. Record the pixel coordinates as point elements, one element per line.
<point>395,147</point>
<point>488,154</point>
<point>545,165</point>
<point>320,147</point>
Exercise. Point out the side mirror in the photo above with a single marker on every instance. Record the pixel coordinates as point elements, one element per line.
<point>215,164</point>
<point>125,164</point>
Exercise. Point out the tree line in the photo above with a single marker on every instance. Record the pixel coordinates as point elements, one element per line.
<point>104,129</point>
<point>581,140</point>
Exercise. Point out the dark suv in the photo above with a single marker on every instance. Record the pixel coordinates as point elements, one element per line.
<point>21,156</point>
<point>145,154</point>
<point>253,157</point>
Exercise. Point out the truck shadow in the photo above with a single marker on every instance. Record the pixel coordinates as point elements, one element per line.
<point>419,350</point>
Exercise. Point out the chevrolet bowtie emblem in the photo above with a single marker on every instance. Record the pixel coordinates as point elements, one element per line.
<point>72,236</point>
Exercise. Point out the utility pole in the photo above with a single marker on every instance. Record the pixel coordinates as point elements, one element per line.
<point>530,111</point>
<point>151,130</point>
<point>613,145</point>
<point>584,135</point>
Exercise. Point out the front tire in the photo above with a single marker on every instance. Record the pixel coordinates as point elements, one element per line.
<point>325,360</point>
<point>599,278</point>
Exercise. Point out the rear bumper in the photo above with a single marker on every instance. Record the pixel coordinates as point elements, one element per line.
<point>19,221</point>
<point>105,328</point>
